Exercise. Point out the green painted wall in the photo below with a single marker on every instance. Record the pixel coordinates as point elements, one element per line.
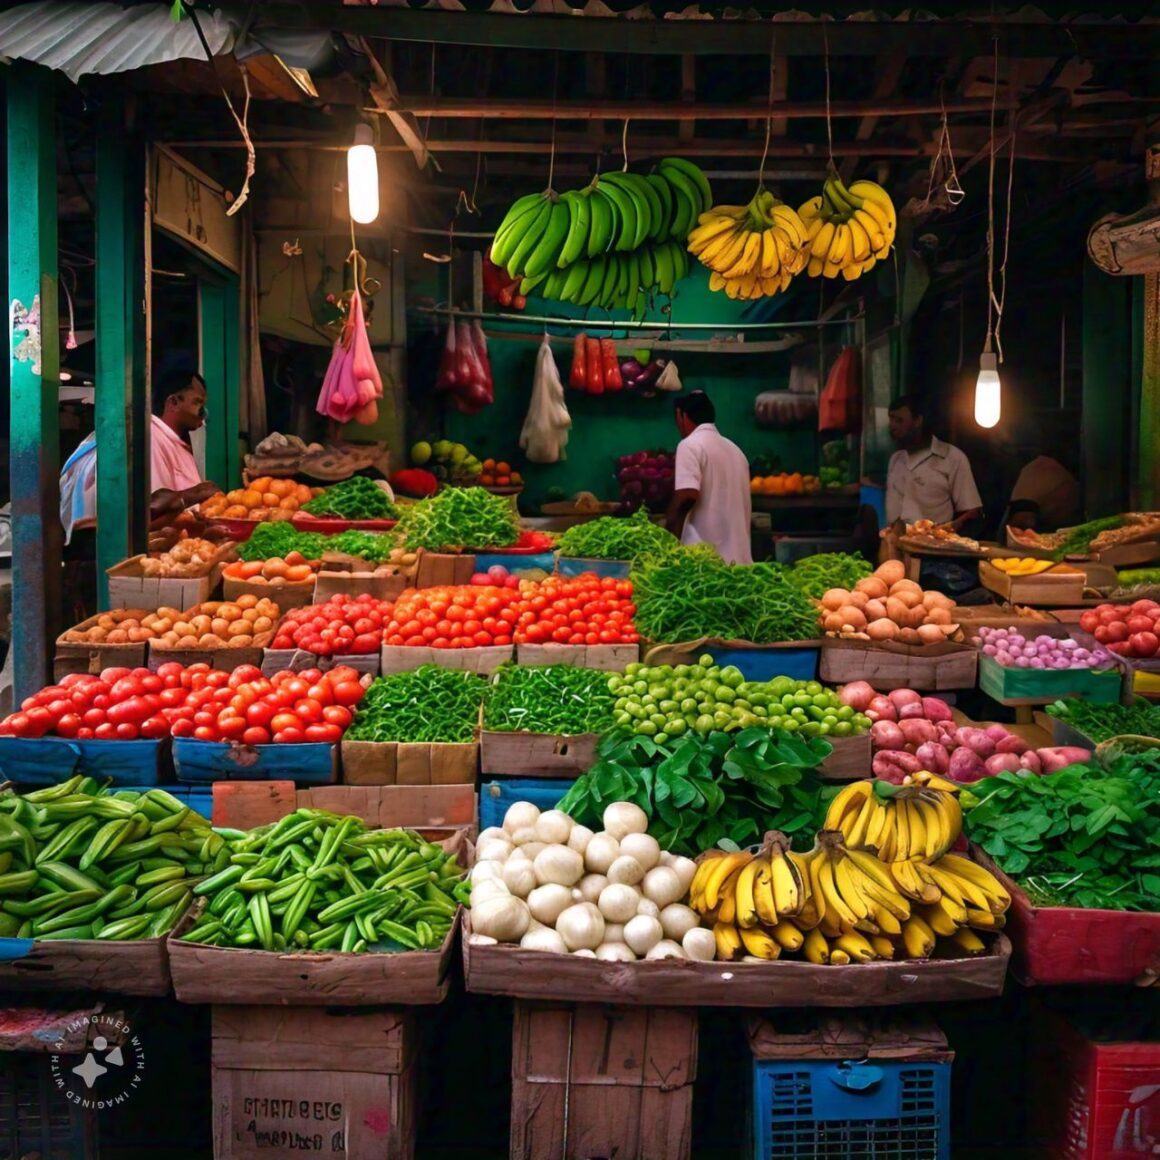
<point>607,426</point>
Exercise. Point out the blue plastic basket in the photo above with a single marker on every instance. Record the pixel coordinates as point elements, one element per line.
<point>308,763</point>
<point>47,760</point>
<point>199,798</point>
<point>496,796</point>
<point>757,664</point>
<point>577,566</point>
<point>823,1110</point>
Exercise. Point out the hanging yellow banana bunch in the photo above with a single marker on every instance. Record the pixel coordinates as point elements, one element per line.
<point>848,229</point>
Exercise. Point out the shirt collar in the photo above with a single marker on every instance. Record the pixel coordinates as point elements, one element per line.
<point>938,447</point>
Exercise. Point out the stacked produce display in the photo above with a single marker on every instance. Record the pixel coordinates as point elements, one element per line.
<point>886,606</point>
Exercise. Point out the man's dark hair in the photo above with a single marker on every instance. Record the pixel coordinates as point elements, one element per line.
<point>1019,506</point>
<point>696,406</point>
<point>911,402</point>
<point>172,383</point>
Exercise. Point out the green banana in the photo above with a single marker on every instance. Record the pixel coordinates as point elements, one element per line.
<point>642,216</point>
<point>529,238</point>
<point>544,254</point>
<point>694,174</point>
<point>593,280</point>
<point>601,224</point>
<point>579,221</point>
<point>646,256</point>
<point>664,192</point>
<point>512,227</point>
<point>527,285</point>
<point>626,211</point>
<point>656,209</point>
<point>574,282</point>
<point>663,261</point>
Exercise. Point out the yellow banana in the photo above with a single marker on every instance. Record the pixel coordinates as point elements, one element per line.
<point>985,920</point>
<point>809,916</point>
<point>903,850</point>
<point>727,908</point>
<point>786,885</point>
<point>839,250</point>
<point>847,886</point>
<point>916,829</point>
<point>968,942</point>
<point>763,894</point>
<point>964,868</point>
<point>838,957</point>
<point>938,920</point>
<point>747,259</point>
<point>887,921</point>
<point>723,251</point>
<point>860,240</point>
<point>822,239</point>
<point>856,833</point>
<point>834,901</point>
<point>872,212</point>
<point>873,194</point>
<point>759,944</point>
<point>728,942</point>
<point>722,868</point>
<point>716,281</point>
<point>848,802</point>
<point>809,210</point>
<point>930,780</point>
<point>787,935</point>
<point>746,906</point>
<point>858,948</point>
<point>814,266</point>
<point>815,948</point>
<point>704,867</point>
<point>917,938</point>
<point>883,947</point>
<point>770,259</point>
<point>791,224</point>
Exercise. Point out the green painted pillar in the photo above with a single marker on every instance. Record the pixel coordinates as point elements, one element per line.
<point>35,374</point>
<point>218,310</point>
<point>122,408</point>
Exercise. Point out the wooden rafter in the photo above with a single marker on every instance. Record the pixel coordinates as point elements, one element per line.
<point>889,70</point>
<point>687,129</point>
<point>385,95</point>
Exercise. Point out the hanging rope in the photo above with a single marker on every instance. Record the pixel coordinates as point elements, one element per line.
<point>624,145</point>
<point>829,122</point>
<point>555,97</point>
<point>991,203</point>
<point>768,111</point>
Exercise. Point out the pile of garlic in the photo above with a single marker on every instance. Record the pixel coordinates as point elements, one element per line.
<point>549,884</point>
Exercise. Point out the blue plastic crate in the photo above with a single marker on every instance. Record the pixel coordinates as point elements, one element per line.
<point>823,1110</point>
<point>516,562</point>
<point>47,760</point>
<point>310,763</point>
<point>763,664</point>
<point>198,798</point>
<point>496,796</point>
<point>577,566</point>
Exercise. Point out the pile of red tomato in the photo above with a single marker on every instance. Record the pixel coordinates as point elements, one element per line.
<point>582,610</point>
<point>340,626</point>
<point>207,704</point>
<point>1130,630</point>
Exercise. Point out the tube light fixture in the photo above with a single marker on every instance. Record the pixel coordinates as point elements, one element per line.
<point>362,176</point>
<point>988,395</point>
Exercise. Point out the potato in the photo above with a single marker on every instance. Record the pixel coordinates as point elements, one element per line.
<point>241,641</point>
<point>247,601</point>
<point>249,616</point>
<point>262,624</point>
<point>211,640</point>
<point>238,628</point>
<point>96,634</point>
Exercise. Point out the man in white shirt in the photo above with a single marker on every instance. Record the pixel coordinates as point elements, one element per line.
<point>927,478</point>
<point>711,500</point>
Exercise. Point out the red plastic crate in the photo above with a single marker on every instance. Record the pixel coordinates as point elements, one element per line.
<point>1105,1098</point>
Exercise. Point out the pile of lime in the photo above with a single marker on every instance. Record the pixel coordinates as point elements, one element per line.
<point>667,701</point>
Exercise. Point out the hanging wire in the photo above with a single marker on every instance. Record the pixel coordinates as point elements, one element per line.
<point>555,98</point>
<point>829,122</point>
<point>624,145</point>
<point>991,301</point>
<point>1006,248</point>
<point>768,110</point>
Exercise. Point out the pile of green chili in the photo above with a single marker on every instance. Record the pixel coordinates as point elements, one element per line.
<point>459,517</point>
<point>694,595</point>
<point>631,538</point>
<point>558,699</point>
<point>816,575</point>
<point>431,704</point>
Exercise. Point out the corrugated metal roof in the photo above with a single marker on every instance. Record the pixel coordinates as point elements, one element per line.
<point>101,37</point>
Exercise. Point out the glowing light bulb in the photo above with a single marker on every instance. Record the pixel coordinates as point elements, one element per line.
<point>988,397</point>
<point>362,176</point>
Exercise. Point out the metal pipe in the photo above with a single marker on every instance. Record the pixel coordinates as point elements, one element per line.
<point>630,324</point>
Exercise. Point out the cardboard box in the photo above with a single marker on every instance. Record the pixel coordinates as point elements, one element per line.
<point>278,660</point>
<point>130,967</point>
<point>403,659</point>
<point>310,1081</point>
<point>83,657</point>
<point>610,658</point>
<point>595,1081</point>
<point>408,763</point>
<point>929,668</point>
<point>537,754</point>
<point>129,587</point>
<point>1050,589</point>
<point>285,594</point>
<point>434,569</point>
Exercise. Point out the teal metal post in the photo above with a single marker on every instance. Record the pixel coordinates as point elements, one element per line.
<point>221,366</point>
<point>34,346</point>
<point>122,409</point>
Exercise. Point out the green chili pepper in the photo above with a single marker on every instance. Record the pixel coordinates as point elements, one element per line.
<point>557,699</point>
<point>431,704</point>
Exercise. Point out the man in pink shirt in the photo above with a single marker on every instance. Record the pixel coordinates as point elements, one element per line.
<point>174,480</point>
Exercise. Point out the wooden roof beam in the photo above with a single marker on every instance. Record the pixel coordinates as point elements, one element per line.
<point>385,95</point>
<point>889,70</point>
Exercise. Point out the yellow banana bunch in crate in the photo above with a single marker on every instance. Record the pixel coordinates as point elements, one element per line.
<point>848,229</point>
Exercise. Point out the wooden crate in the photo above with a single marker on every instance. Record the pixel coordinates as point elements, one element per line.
<point>850,760</point>
<point>611,658</point>
<point>408,763</point>
<point>381,583</point>
<point>286,594</point>
<point>1015,687</point>
<point>312,1081</point>
<point>130,588</point>
<point>434,569</point>
<point>929,668</point>
<point>133,967</point>
<point>1062,945</point>
<point>537,754</point>
<point>1049,589</point>
<point>401,659</point>
<point>225,657</point>
<point>529,974</point>
<point>279,660</point>
<point>594,1081</point>
<point>75,657</point>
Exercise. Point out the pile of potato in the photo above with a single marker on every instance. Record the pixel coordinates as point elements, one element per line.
<point>263,499</point>
<point>885,606</point>
<point>218,624</point>
<point>293,568</point>
<point>125,626</point>
<point>187,558</point>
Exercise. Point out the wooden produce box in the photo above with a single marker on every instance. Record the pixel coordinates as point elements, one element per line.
<point>209,974</point>
<point>1130,555</point>
<point>850,760</point>
<point>1065,945</point>
<point>286,594</point>
<point>434,569</point>
<point>313,1082</point>
<point>81,657</point>
<point>129,587</point>
<point>280,660</point>
<point>537,754</point>
<point>345,575</point>
<point>1014,686</point>
<point>886,665</point>
<point>901,1034</point>
<point>409,763</point>
<point>611,658</point>
<point>595,1081</point>
<point>1049,589</point>
<point>133,967</point>
<point>404,659</point>
<point>225,657</point>
<point>976,616</point>
<point>528,974</point>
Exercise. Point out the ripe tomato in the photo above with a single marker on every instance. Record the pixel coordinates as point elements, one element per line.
<point>289,737</point>
<point>330,734</point>
<point>337,715</point>
<point>256,735</point>
<point>348,692</point>
<point>280,722</point>
<point>182,728</point>
<point>308,711</point>
<point>128,731</point>
<point>68,725</point>
<point>155,727</point>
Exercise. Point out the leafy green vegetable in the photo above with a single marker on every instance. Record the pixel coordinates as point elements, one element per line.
<point>559,699</point>
<point>694,595</point>
<point>369,545</point>
<point>1102,722</point>
<point>632,538</point>
<point>357,498</point>
<point>459,517</point>
<point>280,538</point>
<point>815,575</point>
<point>1086,836</point>
<point>1080,538</point>
<point>431,704</point>
<point>700,791</point>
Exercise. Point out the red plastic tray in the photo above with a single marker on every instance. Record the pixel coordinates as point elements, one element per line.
<point>332,527</point>
<point>238,530</point>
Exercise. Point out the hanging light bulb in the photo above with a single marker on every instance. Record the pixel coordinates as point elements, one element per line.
<point>988,398</point>
<point>362,176</point>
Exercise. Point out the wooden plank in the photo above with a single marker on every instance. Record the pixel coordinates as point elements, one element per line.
<point>34,450</point>
<point>889,69</point>
<point>688,126</point>
<point>137,967</point>
<point>121,409</point>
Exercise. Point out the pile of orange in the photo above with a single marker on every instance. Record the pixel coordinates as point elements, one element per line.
<point>499,474</point>
<point>263,499</point>
<point>785,483</point>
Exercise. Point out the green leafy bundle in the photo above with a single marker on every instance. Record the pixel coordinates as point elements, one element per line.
<point>280,538</point>
<point>369,545</point>
<point>816,575</point>
<point>700,791</point>
<point>1103,722</point>
<point>459,517</point>
<point>694,595</point>
<point>558,699</point>
<point>357,498</point>
<point>431,704</point>
<point>633,538</point>
<point>1086,836</point>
